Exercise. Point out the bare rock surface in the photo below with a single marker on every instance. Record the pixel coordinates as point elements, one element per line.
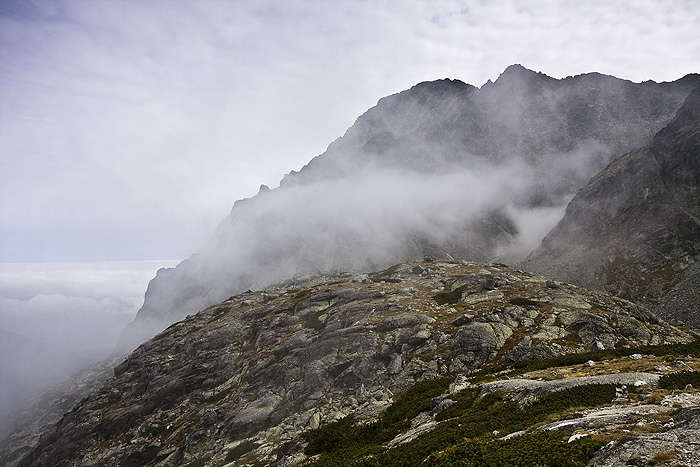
<point>260,368</point>
<point>528,390</point>
<point>680,445</point>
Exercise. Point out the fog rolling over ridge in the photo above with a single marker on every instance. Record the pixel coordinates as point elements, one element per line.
<point>444,167</point>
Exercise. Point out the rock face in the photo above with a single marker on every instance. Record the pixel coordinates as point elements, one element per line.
<point>634,229</point>
<point>678,446</point>
<point>444,167</point>
<point>234,383</point>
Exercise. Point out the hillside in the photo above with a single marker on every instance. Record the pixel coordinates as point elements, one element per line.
<point>258,358</point>
<point>241,382</point>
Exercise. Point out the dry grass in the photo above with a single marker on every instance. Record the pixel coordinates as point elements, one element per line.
<point>662,457</point>
<point>646,364</point>
<point>655,397</point>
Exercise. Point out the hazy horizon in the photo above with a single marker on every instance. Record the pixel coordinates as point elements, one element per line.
<point>56,318</point>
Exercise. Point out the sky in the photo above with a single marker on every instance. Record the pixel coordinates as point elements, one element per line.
<point>129,128</point>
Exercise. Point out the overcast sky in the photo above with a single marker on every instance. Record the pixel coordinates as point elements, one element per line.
<point>129,128</point>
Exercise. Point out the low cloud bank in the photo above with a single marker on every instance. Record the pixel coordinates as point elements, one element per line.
<point>57,318</point>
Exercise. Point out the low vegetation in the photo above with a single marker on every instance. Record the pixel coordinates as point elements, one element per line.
<point>680,380</point>
<point>525,366</point>
<point>469,431</point>
<point>450,297</point>
<point>470,428</point>
<point>345,438</point>
<point>386,275</point>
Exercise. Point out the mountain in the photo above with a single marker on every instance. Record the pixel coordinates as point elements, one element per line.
<point>444,167</point>
<point>431,362</point>
<point>634,229</point>
<point>243,381</point>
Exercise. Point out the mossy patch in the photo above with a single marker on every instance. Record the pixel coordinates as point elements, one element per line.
<point>242,449</point>
<point>450,297</point>
<point>524,302</point>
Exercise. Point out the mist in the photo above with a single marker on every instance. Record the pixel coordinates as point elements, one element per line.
<point>366,217</point>
<point>58,318</point>
<point>380,215</point>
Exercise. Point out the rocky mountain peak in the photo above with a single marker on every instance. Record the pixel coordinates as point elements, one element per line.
<point>430,362</point>
<point>518,75</point>
<point>443,167</point>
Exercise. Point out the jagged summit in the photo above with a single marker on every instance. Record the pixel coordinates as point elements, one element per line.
<point>443,167</point>
<point>517,74</point>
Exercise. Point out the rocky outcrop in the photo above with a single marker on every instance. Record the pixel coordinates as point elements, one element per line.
<point>634,230</point>
<point>444,167</point>
<point>235,382</point>
<point>680,445</point>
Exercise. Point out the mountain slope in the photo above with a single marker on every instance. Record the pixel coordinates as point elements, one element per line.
<point>444,167</point>
<point>238,381</point>
<point>635,228</point>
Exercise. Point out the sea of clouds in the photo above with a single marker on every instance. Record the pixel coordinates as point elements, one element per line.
<point>56,318</point>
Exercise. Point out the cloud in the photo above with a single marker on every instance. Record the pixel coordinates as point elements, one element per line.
<point>139,123</point>
<point>57,318</point>
<point>78,306</point>
<point>375,215</point>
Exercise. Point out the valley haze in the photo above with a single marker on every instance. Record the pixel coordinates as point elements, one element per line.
<point>57,318</point>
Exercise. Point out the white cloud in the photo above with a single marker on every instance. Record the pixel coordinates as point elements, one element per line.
<point>56,318</point>
<point>77,306</point>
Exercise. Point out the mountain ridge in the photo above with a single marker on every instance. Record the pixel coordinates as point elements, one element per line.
<point>636,223</point>
<point>443,167</point>
<point>261,368</point>
<point>289,373</point>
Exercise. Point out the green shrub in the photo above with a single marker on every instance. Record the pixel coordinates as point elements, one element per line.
<point>340,438</point>
<point>680,380</point>
<point>546,448</point>
<point>346,444</point>
<point>463,401</point>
